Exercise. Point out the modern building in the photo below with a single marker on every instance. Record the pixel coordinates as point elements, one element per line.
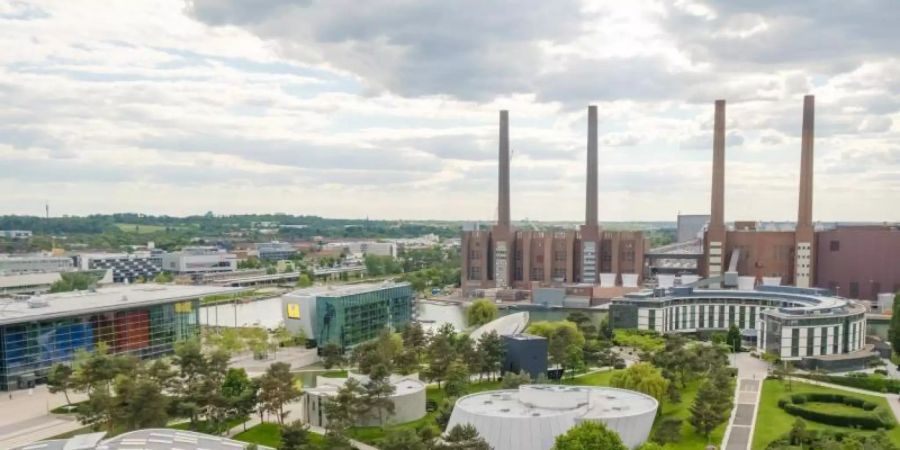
<point>366,247</point>
<point>808,325</point>
<point>859,261</point>
<point>145,320</point>
<point>35,263</point>
<point>531,417</point>
<point>348,314</point>
<point>275,251</point>
<point>525,352</point>
<point>27,283</point>
<point>690,226</point>
<point>15,234</point>
<point>146,439</point>
<point>125,267</point>
<point>506,325</point>
<point>506,258</point>
<point>408,399</point>
<point>197,260</point>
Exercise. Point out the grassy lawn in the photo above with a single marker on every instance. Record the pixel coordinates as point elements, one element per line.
<point>690,439</point>
<point>140,229</point>
<point>772,422</point>
<point>269,434</point>
<point>203,427</point>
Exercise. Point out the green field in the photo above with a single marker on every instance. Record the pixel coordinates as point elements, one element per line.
<point>773,422</point>
<point>269,434</point>
<point>140,229</point>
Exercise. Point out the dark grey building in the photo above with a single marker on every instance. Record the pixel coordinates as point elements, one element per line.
<point>125,267</point>
<point>525,352</point>
<point>275,251</point>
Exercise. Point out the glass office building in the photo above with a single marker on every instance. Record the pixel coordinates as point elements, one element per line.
<point>348,315</point>
<point>143,320</point>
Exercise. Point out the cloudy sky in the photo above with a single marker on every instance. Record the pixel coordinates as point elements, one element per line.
<point>388,109</point>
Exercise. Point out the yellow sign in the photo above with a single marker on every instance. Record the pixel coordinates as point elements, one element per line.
<point>183,307</point>
<point>293,311</point>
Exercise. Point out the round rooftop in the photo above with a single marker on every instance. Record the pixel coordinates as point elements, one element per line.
<point>584,402</point>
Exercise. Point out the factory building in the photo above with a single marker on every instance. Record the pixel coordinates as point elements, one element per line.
<point>510,259</point>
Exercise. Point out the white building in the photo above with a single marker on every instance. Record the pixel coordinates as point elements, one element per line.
<point>366,247</point>
<point>531,417</point>
<point>195,260</point>
<point>408,399</point>
<point>35,263</point>
<point>15,234</point>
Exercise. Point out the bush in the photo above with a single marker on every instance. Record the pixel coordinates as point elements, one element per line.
<point>870,416</point>
<point>669,430</point>
<point>881,372</point>
<point>860,382</point>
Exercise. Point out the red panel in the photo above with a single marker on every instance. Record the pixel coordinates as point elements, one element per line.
<point>132,330</point>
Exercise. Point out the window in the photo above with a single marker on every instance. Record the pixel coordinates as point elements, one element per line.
<point>823,348</point>
<point>834,246</point>
<point>693,317</point>
<point>742,317</point>
<point>676,318</point>
<point>702,315</point>
<point>854,289</point>
<point>810,341</point>
<point>721,316</point>
<point>834,340</point>
<point>752,317</point>
<point>730,315</point>
<point>651,319</point>
<point>795,342</point>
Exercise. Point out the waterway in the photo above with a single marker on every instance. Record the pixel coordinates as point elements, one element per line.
<point>267,313</point>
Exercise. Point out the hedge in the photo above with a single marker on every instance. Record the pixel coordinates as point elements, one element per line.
<point>870,417</point>
<point>860,382</point>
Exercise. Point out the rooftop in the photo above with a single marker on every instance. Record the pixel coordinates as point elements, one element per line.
<point>342,290</point>
<point>111,298</point>
<point>148,439</point>
<point>553,400</point>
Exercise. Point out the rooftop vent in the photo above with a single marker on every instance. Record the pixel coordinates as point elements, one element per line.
<point>37,302</point>
<point>504,410</point>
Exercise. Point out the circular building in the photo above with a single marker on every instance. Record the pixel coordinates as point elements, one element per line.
<point>408,399</point>
<point>531,417</point>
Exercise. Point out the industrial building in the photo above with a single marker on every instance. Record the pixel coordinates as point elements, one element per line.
<point>531,417</point>
<point>144,320</point>
<point>348,314</point>
<point>808,325</point>
<point>125,267</point>
<point>275,251</point>
<point>859,261</point>
<point>198,260</point>
<point>408,399</point>
<point>510,259</point>
<point>35,263</point>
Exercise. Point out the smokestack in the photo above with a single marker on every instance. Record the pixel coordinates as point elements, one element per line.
<point>590,218</point>
<point>717,209</point>
<point>804,213</point>
<point>503,195</point>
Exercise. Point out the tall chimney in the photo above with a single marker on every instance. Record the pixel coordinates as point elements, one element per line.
<point>503,195</point>
<point>804,214</point>
<point>714,244</point>
<point>590,218</point>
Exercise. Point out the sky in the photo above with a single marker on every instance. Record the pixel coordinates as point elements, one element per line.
<point>389,109</point>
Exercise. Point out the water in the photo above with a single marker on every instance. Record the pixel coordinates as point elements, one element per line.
<point>267,313</point>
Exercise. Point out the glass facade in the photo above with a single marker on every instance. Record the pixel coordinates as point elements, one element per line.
<point>29,349</point>
<point>350,319</point>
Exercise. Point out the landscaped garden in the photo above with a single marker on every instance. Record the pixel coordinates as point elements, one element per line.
<point>820,408</point>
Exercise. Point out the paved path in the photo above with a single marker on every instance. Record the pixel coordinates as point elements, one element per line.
<point>26,418</point>
<point>751,373</point>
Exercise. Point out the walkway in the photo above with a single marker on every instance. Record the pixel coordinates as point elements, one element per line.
<point>26,418</point>
<point>751,373</point>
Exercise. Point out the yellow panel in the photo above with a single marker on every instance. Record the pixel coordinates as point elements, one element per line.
<point>183,307</point>
<point>293,311</point>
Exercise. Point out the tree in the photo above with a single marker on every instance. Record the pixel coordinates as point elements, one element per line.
<point>734,338</point>
<point>512,380</point>
<point>642,377</point>
<point>333,356</point>
<point>276,388</point>
<point>73,281</point>
<point>403,439</point>
<point>139,403</point>
<point>894,329</point>
<point>60,379</point>
<point>342,411</point>
<point>407,362</point>
<point>294,436</point>
<point>304,280</point>
<point>240,393</point>
<point>378,391</point>
<point>480,312</point>
<point>491,350</point>
<point>462,437</point>
<point>444,411</point>
<point>589,435</point>
<point>164,277</point>
<point>562,338</point>
<point>441,352</point>
<point>669,430</point>
<point>584,323</point>
<point>457,379</point>
<point>380,351</point>
<point>650,446</point>
<point>414,338</point>
<point>705,412</point>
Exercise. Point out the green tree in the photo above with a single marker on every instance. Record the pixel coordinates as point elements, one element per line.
<point>60,379</point>
<point>589,435</point>
<point>705,412</point>
<point>294,436</point>
<point>642,377</point>
<point>277,388</point>
<point>650,446</point>
<point>377,393</point>
<point>480,312</point>
<point>304,280</point>
<point>512,380</point>
<point>240,393</point>
<point>403,439</point>
<point>563,337</point>
<point>584,323</point>
<point>734,338</point>
<point>139,403</point>
<point>894,329</point>
<point>457,379</point>
<point>492,351</point>
<point>441,353</point>
<point>342,411</point>
<point>73,281</point>
<point>462,437</point>
<point>333,356</point>
<point>164,277</point>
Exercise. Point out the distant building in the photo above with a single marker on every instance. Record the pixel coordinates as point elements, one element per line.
<point>690,226</point>
<point>366,247</point>
<point>349,314</point>
<point>525,352</point>
<point>28,283</point>
<point>197,260</point>
<point>408,400</point>
<point>35,263</point>
<point>275,251</point>
<point>145,320</point>
<point>859,261</point>
<point>126,267</point>
<point>15,234</point>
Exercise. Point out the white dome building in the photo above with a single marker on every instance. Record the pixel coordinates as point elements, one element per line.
<point>531,417</point>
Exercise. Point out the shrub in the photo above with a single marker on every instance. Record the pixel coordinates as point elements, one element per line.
<point>870,417</point>
<point>860,382</point>
<point>669,430</point>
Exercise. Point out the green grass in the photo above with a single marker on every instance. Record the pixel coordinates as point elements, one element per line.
<point>690,439</point>
<point>269,434</point>
<point>140,229</point>
<point>644,341</point>
<point>203,427</point>
<point>773,422</point>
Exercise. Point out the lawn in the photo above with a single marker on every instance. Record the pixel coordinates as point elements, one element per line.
<point>690,439</point>
<point>269,434</point>
<point>140,229</point>
<point>202,426</point>
<point>773,422</point>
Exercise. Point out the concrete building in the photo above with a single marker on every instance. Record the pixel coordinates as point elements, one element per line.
<point>144,320</point>
<point>506,258</point>
<point>690,226</point>
<point>531,417</point>
<point>34,263</point>
<point>27,283</point>
<point>366,248</point>
<point>126,267</point>
<point>197,260</point>
<point>146,439</point>
<point>859,261</point>
<point>525,352</point>
<point>275,251</point>
<point>408,399</point>
<point>348,314</point>
<point>15,234</point>
<point>807,325</point>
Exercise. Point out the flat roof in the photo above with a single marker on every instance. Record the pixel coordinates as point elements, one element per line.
<point>596,402</point>
<point>343,290</point>
<point>109,298</point>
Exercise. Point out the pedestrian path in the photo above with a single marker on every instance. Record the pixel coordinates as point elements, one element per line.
<point>751,373</point>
